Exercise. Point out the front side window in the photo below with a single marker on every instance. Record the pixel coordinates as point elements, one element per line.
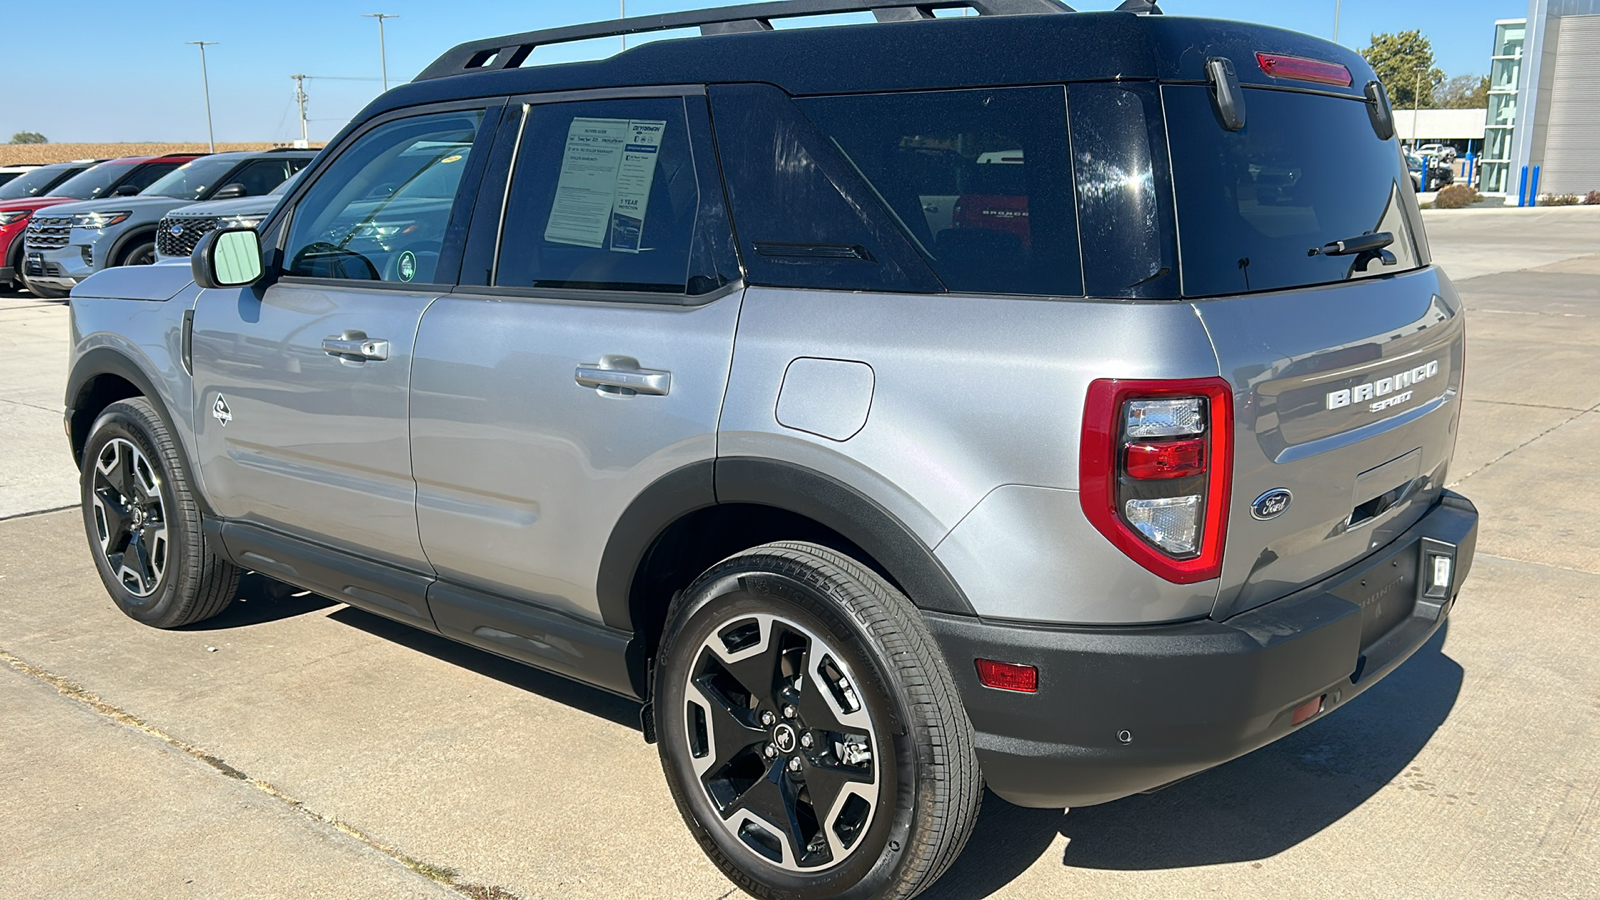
<point>604,197</point>
<point>980,180</point>
<point>379,212</point>
<point>262,176</point>
<point>148,175</point>
<point>192,180</point>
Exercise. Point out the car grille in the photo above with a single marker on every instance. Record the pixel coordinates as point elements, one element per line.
<point>47,232</point>
<point>177,235</point>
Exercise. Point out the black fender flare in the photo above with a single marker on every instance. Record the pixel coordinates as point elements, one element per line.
<point>782,485</point>
<point>108,361</point>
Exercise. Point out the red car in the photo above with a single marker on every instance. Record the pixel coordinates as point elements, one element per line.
<point>89,179</point>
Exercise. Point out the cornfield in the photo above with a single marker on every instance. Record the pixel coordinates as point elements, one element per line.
<point>29,154</point>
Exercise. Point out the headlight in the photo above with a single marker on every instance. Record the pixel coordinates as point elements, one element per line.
<point>99,219</point>
<point>13,216</point>
<point>240,221</point>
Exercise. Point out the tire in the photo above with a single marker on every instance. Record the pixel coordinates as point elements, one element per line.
<point>137,500</point>
<point>875,768</point>
<point>142,253</point>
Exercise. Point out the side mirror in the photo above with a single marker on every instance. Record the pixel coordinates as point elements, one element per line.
<point>231,191</point>
<point>127,190</point>
<point>227,258</point>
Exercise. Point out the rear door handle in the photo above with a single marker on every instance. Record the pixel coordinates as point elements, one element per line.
<point>622,375</point>
<point>355,346</point>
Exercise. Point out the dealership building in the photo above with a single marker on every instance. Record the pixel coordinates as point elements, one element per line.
<point>1543,119</point>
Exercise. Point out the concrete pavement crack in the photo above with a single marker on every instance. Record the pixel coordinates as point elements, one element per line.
<point>30,405</point>
<point>1569,420</point>
<point>71,690</point>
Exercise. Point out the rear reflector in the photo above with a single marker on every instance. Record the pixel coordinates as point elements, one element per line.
<point>1307,709</point>
<point>1008,676</point>
<point>1301,69</point>
<point>1171,459</point>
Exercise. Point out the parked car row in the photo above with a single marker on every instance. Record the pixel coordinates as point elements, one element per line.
<point>61,223</point>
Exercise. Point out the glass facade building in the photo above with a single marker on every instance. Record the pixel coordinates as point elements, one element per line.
<point>1505,71</point>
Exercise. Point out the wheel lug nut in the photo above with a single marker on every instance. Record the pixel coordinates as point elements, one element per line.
<point>794,764</point>
<point>769,751</point>
<point>767,718</point>
<point>806,740</point>
<point>788,711</point>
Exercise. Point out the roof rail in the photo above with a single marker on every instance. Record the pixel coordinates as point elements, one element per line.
<point>512,50</point>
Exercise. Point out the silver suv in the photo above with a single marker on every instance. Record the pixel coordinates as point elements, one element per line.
<point>884,407</point>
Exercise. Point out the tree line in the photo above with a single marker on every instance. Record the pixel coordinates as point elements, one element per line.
<point>1404,63</point>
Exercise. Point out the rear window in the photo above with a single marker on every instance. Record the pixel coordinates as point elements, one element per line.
<point>1306,170</point>
<point>980,180</point>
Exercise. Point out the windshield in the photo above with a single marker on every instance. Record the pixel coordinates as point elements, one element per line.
<point>93,183</point>
<point>192,181</point>
<point>30,184</point>
<point>1305,171</point>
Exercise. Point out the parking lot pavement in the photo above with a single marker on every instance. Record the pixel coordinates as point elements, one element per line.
<point>319,747</point>
<point>34,473</point>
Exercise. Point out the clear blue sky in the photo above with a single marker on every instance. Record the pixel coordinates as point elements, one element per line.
<point>111,70</point>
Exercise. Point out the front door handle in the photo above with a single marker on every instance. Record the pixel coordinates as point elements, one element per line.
<point>622,375</point>
<point>355,345</point>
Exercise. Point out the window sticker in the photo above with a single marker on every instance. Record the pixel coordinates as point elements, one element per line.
<point>607,169</point>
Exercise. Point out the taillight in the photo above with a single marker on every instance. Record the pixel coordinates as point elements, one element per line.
<point>1154,471</point>
<point>1300,69</point>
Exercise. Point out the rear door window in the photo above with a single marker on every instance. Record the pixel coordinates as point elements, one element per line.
<point>604,197</point>
<point>1306,170</point>
<point>979,180</point>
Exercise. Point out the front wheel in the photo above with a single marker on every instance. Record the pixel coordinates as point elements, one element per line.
<point>811,734</point>
<point>141,254</point>
<point>143,523</point>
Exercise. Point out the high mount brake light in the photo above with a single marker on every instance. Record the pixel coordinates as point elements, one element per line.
<point>1172,524</point>
<point>1299,68</point>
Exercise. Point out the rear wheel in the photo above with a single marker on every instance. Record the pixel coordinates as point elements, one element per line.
<point>811,734</point>
<point>143,524</point>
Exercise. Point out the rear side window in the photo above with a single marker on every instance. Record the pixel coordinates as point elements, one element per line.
<point>979,180</point>
<point>604,197</point>
<point>1306,170</point>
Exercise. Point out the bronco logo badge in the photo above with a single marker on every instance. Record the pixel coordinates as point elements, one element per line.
<point>220,411</point>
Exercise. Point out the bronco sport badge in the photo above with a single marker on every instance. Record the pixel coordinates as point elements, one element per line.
<point>220,411</point>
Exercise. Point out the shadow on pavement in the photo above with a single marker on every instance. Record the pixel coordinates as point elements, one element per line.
<point>1254,807</point>
<point>262,600</point>
<point>522,677</point>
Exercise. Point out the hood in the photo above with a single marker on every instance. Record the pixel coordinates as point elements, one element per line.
<point>162,281</point>
<point>154,205</point>
<point>33,203</point>
<point>238,206</point>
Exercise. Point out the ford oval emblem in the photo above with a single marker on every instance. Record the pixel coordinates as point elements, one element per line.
<point>175,230</point>
<point>1271,504</point>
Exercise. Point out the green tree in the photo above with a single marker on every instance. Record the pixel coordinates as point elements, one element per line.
<point>29,137</point>
<point>1397,58</point>
<point>1464,92</point>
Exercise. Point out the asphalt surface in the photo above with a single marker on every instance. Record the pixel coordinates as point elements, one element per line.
<point>294,747</point>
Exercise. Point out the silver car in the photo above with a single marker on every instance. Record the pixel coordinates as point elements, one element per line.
<point>925,424</point>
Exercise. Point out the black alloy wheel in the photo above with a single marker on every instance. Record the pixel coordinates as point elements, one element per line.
<point>143,522</point>
<point>810,731</point>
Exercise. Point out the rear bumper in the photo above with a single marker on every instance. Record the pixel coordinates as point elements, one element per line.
<point>1121,710</point>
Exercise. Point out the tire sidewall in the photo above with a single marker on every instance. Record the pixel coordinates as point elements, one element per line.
<point>748,585</point>
<point>123,420</point>
<point>133,253</point>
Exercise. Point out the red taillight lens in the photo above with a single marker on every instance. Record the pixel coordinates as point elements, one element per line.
<point>1300,69</point>
<point>1155,467</point>
<point>1008,676</point>
<point>1172,459</point>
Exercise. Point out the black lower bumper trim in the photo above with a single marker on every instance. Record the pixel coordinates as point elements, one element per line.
<point>1121,710</point>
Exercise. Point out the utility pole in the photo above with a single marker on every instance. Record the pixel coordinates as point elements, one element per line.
<point>383,54</point>
<point>300,98</point>
<point>205,82</point>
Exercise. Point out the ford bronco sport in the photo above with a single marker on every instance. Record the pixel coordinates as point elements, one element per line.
<point>892,408</point>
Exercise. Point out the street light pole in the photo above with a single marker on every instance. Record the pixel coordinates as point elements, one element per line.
<point>205,82</point>
<point>1336,21</point>
<point>383,54</point>
<point>1416,106</point>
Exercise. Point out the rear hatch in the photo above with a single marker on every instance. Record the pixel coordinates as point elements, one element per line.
<point>1346,367</point>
